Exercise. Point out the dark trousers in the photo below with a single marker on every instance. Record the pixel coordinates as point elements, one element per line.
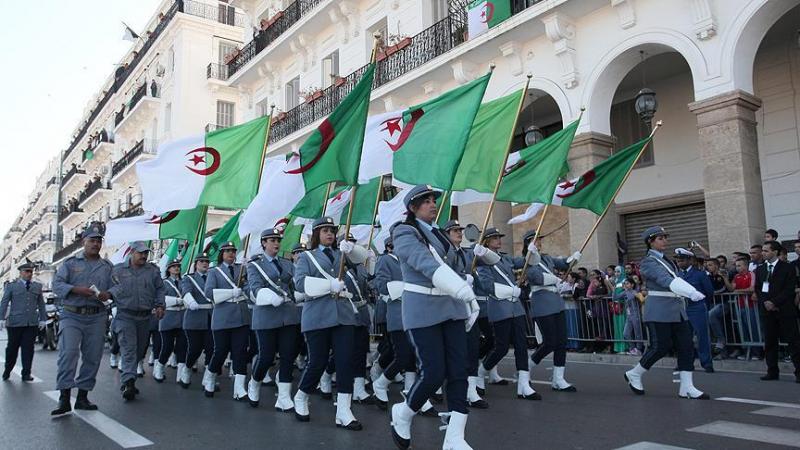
<point>173,340</point>
<point>341,339</point>
<point>488,337</point>
<point>780,326</point>
<point>361,338</point>
<point>554,339</point>
<point>24,338</point>
<point>233,340</point>
<point>509,331</point>
<point>403,356</point>
<point>301,341</point>
<point>252,345</point>
<point>667,336</point>
<point>442,353</point>
<point>387,354</point>
<point>281,340</point>
<point>473,351</point>
<point>155,338</point>
<point>114,343</point>
<point>198,341</point>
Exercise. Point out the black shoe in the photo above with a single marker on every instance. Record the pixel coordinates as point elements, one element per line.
<point>382,405</point>
<point>326,395</point>
<point>430,412</point>
<point>709,369</point>
<point>270,383</point>
<point>27,378</point>
<point>502,382</point>
<point>797,378</point>
<point>566,389</point>
<point>534,396</point>
<point>129,390</point>
<point>208,394</point>
<point>64,406</point>
<point>437,398</point>
<point>481,391</point>
<point>401,443</point>
<point>302,418</point>
<point>480,404</point>
<point>82,402</point>
<point>770,377</point>
<point>352,426</point>
<point>367,401</point>
<point>6,375</point>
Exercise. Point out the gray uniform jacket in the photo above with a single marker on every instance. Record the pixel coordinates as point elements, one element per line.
<point>465,256</point>
<point>388,269</point>
<point>545,299</point>
<point>501,309</point>
<point>418,266</point>
<point>269,317</point>
<point>198,319</point>
<point>137,289</point>
<point>360,292</point>
<point>226,315</point>
<point>172,320</point>
<point>660,308</point>
<point>79,271</point>
<point>22,307</point>
<point>324,311</point>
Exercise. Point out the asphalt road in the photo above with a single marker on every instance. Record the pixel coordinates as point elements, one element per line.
<point>745,413</point>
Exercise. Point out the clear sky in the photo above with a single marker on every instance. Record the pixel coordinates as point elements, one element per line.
<point>56,55</point>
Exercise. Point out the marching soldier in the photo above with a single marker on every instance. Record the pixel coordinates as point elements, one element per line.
<point>171,326</point>
<point>23,305</point>
<point>82,283</point>
<point>385,352</point>
<point>299,298</point>
<point>138,292</point>
<point>439,307</point>
<point>275,318</point>
<point>548,308</point>
<point>230,322</point>
<point>665,316</point>
<point>328,320</point>
<point>197,318</point>
<point>356,282</point>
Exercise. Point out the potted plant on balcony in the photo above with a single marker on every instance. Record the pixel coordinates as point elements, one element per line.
<point>232,55</point>
<point>338,81</point>
<point>397,42</point>
<point>311,94</point>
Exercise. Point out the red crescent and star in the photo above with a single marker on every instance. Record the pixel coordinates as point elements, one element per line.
<point>198,156</point>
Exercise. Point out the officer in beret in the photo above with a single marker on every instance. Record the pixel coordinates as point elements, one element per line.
<point>138,292</point>
<point>695,274</point>
<point>23,305</point>
<point>665,315</point>
<point>197,317</point>
<point>173,339</point>
<point>82,284</point>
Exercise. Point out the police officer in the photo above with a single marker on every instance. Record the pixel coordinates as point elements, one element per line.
<point>439,307</point>
<point>138,292</point>
<point>275,318</point>
<point>196,318</point>
<point>665,315</point>
<point>356,279</point>
<point>507,314</point>
<point>173,339</point>
<point>23,304</point>
<point>329,318</point>
<point>82,283</point>
<point>548,308</point>
<point>230,322</point>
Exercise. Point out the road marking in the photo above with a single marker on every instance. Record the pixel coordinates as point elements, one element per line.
<point>122,435</point>
<point>758,402</point>
<point>18,372</point>
<point>780,411</point>
<point>757,433</point>
<point>646,445</point>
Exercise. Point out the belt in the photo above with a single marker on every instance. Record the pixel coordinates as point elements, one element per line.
<point>664,294</point>
<point>175,308</point>
<point>359,304</point>
<point>545,288</point>
<point>512,299</point>
<point>85,310</point>
<point>422,289</point>
<point>205,306</point>
<point>135,312</point>
<point>482,299</point>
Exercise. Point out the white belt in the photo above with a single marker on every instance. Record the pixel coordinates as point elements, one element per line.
<point>545,288</point>
<point>423,290</point>
<point>512,299</point>
<point>359,304</point>
<point>664,294</point>
<point>175,308</point>
<point>205,306</point>
<point>482,299</point>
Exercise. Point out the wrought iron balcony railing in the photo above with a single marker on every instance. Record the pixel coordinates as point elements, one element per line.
<point>141,147</point>
<point>69,249</point>
<point>217,71</point>
<point>214,127</point>
<point>132,210</point>
<point>71,172</point>
<point>91,188</point>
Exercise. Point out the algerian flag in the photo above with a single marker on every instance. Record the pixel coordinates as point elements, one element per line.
<point>310,206</point>
<point>485,14</point>
<point>169,255</point>
<point>121,255</point>
<point>291,236</point>
<point>278,194</point>
<point>382,137</point>
<point>534,177</point>
<point>228,233</point>
<point>175,224</point>
<point>333,151</point>
<point>431,145</point>
<point>129,34</point>
<point>218,169</point>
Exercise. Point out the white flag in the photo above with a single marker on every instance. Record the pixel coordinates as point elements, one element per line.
<point>159,177</point>
<point>129,34</point>
<point>382,137</point>
<point>121,255</point>
<point>562,189</point>
<point>129,229</point>
<point>278,194</point>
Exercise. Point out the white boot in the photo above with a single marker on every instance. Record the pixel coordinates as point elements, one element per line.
<point>284,402</point>
<point>140,369</point>
<point>375,371</point>
<point>473,399</point>
<point>360,393</point>
<point>409,378</point>
<point>381,389</point>
<point>398,378</point>
<point>209,382</point>
<point>428,410</point>
<point>454,436</point>
<point>687,389</point>
<point>253,392</point>
<point>158,371</point>
<point>344,416</point>
<point>495,378</point>
<point>113,361</point>
<point>634,379</point>
<point>151,359</point>
<point>184,376</point>
<point>268,379</point>
<point>402,416</point>
<point>524,389</point>
<point>482,374</point>
<point>172,361</point>
<point>239,390</point>
<point>558,381</point>
<point>326,385</point>
<point>301,412</point>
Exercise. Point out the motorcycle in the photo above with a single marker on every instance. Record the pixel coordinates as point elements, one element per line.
<point>50,335</point>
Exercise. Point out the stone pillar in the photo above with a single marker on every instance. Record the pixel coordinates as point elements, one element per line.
<point>732,186</point>
<point>589,150</point>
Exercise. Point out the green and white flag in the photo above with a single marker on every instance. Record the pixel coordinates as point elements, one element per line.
<point>150,227</point>
<point>485,14</point>
<point>228,233</point>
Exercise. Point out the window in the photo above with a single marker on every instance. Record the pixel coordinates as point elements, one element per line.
<point>330,67</point>
<point>628,128</point>
<point>379,27</point>
<point>262,107</point>
<point>171,60</point>
<point>167,118</point>
<point>292,93</point>
<point>439,9</point>
<point>224,113</point>
<point>225,48</point>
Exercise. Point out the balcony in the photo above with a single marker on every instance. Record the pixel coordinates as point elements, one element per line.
<point>131,210</point>
<point>73,174</point>
<point>216,71</point>
<point>70,209</point>
<point>224,14</point>
<point>70,249</point>
<point>97,188</point>
<point>140,109</point>
<point>143,148</point>
<point>214,127</point>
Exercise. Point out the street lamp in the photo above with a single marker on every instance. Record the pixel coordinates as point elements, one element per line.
<point>533,134</point>
<point>646,105</point>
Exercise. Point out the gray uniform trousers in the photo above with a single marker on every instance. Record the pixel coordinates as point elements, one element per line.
<point>132,333</point>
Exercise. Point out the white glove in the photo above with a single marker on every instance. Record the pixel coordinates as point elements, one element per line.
<point>194,306</point>
<point>346,247</point>
<point>575,257</point>
<point>236,292</point>
<point>517,291</point>
<point>532,247</point>
<point>480,250</point>
<point>465,294</point>
<point>470,280</point>
<point>474,311</point>
<point>697,296</point>
<point>337,285</point>
<point>2,324</point>
<point>42,324</point>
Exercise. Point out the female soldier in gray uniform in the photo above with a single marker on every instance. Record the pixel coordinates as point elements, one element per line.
<point>329,318</point>
<point>356,282</point>
<point>171,325</point>
<point>274,318</point>
<point>197,318</point>
<point>437,302</point>
<point>665,316</point>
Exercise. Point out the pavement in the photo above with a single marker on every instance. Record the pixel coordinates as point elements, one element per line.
<point>744,413</point>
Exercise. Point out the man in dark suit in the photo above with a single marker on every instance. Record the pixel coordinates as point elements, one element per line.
<point>775,284</point>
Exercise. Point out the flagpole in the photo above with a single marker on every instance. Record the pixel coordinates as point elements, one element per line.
<point>441,205</point>
<point>260,172</point>
<point>502,167</point>
<point>536,236</point>
<point>375,210</point>
<point>325,200</point>
<point>200,224</point>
